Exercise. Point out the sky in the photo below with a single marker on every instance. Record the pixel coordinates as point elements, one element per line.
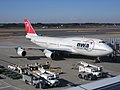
<point>60,11</point>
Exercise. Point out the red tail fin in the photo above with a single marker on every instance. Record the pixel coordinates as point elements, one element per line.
<point>28,27</point>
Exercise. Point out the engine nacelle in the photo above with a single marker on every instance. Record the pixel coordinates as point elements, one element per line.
<point>49,54</point>
<point>20,51</point>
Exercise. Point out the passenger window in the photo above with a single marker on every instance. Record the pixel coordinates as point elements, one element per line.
<point>102,42</point>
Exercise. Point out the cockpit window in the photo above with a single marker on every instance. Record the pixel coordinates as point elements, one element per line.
<point>102,42</point>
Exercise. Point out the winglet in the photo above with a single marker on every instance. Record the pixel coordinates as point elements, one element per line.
<point>28,27</point>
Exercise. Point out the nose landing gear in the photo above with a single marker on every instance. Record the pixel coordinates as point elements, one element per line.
<point>97,60</point>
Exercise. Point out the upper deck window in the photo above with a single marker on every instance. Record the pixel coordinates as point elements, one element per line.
<point>102,42</point>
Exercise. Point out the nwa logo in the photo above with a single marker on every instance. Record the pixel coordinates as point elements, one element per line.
<point>87,45</point>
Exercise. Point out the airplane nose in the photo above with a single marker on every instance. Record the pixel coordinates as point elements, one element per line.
<point>109,50</point>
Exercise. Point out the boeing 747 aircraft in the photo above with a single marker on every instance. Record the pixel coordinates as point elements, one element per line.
<point>54,47</point>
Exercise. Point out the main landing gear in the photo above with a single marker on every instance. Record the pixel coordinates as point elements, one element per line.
<point>97,60</point>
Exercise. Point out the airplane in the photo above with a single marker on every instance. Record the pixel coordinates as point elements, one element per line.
<point>54,47</point>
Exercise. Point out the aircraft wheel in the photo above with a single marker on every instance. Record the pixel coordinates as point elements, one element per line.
<point>85,77</point>
<point>79,75</point>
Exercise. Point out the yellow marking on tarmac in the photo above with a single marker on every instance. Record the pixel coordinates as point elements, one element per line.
<point>4,37</point>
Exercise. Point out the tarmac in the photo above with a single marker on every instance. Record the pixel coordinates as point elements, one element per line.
<point>70,77</point>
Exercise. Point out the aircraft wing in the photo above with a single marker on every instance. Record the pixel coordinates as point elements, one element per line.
<point>51,49</point>
<point>38,48</point>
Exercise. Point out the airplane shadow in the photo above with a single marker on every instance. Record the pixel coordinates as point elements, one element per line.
<point>111,60</point>
<point>36,57</point>
<point>103,58</point>
<point>77,56</point>
<point>29,57</point>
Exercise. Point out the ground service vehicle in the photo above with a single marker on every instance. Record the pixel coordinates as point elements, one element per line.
<point>32,80</point>
<point>33,74</point>
<point>90,72</point>
<point>50,79</point>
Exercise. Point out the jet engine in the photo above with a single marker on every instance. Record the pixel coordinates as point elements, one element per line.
<point>20,51</point>
<point>49,54</point>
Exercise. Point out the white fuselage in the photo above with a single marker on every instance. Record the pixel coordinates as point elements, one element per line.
<point>75,45</point>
